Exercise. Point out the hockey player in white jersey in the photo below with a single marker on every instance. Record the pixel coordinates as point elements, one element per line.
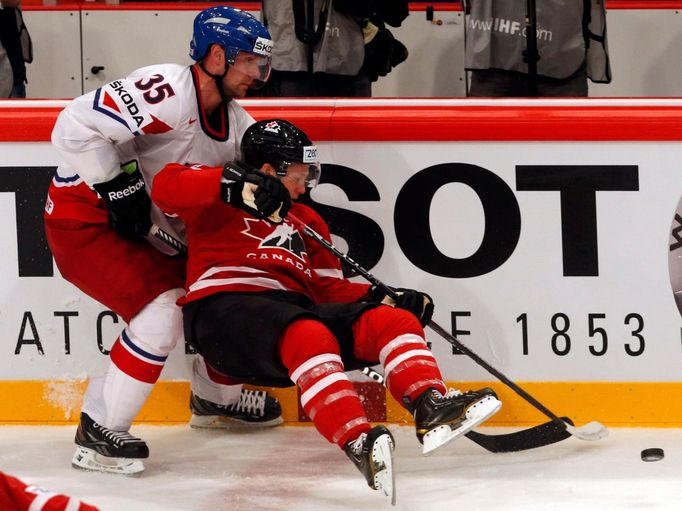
<point>98,216</point>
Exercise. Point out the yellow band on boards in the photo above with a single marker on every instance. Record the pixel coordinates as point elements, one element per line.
<point>619,404</point>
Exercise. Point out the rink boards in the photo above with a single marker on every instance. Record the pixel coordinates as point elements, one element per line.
<point>547,233</point>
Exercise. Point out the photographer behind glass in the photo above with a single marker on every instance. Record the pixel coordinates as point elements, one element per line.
<point>331,48</point>
<point>570,38</point>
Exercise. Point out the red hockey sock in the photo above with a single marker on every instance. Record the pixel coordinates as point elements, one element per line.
<point>395,338</point>
<point>311,354</point>
<point>135,361</point>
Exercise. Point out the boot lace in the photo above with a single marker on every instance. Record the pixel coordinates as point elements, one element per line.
<point>118,438</point>
<point>356,445</point>
<point>250,401</point>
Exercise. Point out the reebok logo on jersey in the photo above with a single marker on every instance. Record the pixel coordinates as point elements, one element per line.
<point>127,191</point>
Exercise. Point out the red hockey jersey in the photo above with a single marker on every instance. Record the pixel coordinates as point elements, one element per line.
<point>231,250</point>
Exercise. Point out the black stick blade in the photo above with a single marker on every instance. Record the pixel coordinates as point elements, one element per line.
<point>538,436</point>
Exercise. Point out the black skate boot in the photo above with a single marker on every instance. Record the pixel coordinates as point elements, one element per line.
<point>372,453</point>
<point>440,419</point>
<point>254,408</point>
<point>106,450</point>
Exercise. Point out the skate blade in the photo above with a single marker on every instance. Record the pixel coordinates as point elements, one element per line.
<point>87,459</point>
<point>475,415</point>
<point>221,422</point>
<point>382,454</point>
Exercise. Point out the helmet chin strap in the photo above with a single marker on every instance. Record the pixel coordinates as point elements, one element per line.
<point>218,80</point>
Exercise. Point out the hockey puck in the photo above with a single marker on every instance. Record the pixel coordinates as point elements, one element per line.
<point>652,454</point>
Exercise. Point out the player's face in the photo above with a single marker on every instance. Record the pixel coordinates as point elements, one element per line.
<point>248,70</point>
<point>296,178</point>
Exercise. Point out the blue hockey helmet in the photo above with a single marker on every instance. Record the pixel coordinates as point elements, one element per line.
<point>236,31</point>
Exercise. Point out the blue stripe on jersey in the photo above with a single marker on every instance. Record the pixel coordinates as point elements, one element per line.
<point>69,179</point>
<point>139,350</point>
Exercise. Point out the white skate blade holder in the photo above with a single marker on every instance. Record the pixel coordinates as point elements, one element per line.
<point>384,480</point>
<point>475,415</point>
<point>87,459</point>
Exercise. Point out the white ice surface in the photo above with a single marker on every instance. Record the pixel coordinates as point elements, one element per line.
<point>293,468</point>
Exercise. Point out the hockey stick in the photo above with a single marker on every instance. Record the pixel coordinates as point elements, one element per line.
<point>168,239</point>
<point>591,431</point>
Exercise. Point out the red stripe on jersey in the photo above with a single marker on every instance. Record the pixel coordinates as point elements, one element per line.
<point>221,134</point>
<point>109,101</point>
<point>133,366</point>
<point>156,126</point>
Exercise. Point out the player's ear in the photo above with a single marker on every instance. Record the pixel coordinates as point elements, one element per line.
<point>268,169</point>
<point>215,54</point>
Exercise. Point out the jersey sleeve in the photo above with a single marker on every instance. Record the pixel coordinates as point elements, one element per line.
<point>177,187</point>
<point>15,495</point>
<point>90,128</point>
<point>332,286</point>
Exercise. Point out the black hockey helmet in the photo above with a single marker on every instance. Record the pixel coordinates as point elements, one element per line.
<point>280,143</point>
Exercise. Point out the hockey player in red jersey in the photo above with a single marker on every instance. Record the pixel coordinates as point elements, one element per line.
<point>98,215</point>
<point>266,306</point>
<point>18,496</point>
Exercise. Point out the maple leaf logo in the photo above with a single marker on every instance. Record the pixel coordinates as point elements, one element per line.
<point>272,126</point>
<point>281,236</point>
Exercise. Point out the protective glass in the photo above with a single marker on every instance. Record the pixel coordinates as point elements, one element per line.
<point>310,179</point>
<point>256,66</point>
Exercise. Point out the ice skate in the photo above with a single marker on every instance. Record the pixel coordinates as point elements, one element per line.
<point>105,450</point>
<point>441,419</point>
<point>255,408</point>
<point>372,453</point>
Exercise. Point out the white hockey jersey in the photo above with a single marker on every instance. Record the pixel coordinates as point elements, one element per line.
<point>154,116</point>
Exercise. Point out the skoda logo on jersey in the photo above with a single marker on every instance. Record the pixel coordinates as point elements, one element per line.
<point>283,236</point>
<point>120,101</point>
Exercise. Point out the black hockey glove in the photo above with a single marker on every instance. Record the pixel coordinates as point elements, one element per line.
<point>128,204</point>
<point>418,303</point>
<point>258,193</point>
